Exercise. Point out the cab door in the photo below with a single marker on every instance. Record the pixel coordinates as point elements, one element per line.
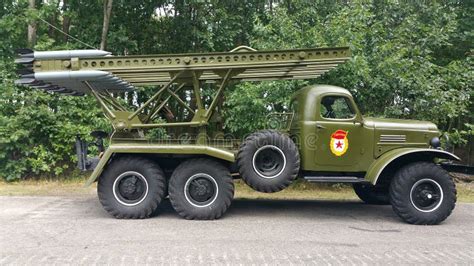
<point>339,131</point>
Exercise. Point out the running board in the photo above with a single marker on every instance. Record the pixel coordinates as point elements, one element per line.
<point>334,179</point>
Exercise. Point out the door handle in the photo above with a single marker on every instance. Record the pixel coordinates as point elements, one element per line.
<point>320,126</point>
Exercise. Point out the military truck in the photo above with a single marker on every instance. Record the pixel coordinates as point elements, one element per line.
<point>323,137</point>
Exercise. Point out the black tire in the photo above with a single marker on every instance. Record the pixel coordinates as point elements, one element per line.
<point>371,194</point>
<point>422,193</point>
<point>166,193</point>
<point>131,188</point>
<point>201,189</point>
<point>268,161</point>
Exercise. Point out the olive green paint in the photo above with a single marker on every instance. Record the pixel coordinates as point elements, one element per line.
<point>372,143</point>
<point>144,148</point>
<point>367,148</point>
<point>378,165</point>
<point>366,152</point>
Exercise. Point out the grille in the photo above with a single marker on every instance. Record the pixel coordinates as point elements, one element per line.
<point>393,138</point>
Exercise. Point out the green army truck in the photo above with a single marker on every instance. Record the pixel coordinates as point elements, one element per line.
<point>323,137</point>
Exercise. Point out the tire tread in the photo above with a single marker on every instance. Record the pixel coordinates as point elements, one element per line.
<point>404,177</point>
<point>245,152</point>
<point>130,162</point>
<point>226,187</point>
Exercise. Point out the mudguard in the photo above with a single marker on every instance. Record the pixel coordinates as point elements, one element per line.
<point>383,161</point>
<point>222,154</point>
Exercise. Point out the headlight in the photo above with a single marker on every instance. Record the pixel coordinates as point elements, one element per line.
<point>435,143</point>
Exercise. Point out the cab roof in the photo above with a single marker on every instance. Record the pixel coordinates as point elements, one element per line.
<point>316,90</point>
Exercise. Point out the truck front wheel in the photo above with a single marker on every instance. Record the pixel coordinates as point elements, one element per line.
<point>422,193</point>
<point>201,189</point>
<point>131,188</point>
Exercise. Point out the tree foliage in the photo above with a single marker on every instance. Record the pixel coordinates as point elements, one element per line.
<point>411,59</point>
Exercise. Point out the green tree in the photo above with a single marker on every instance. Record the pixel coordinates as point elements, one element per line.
<point>401,65</point>
<point>410,60</point>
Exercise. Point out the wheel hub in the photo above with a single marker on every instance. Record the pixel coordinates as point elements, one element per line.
<point>426,195</point>
<point>201,190</point>
<point>269,161</point>
<point>130,188</point>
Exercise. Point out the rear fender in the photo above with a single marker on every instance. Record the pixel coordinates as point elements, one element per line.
<point>405,154</point>
<point>107,157</point>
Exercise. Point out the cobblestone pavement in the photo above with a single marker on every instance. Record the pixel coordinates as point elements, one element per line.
<point>53,230</point>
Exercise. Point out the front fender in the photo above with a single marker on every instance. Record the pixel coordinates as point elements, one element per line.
<point>376,168</point>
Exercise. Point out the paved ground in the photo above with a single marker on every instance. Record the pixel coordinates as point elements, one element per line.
<point>51,230</point>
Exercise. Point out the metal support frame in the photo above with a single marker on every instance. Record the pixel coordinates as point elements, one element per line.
<point>174,124</point>
<point>110,96</point>
<point>203,112</point>
<point>224,82</point>
<point>200,119</point>
<point>180,101</point>
<point>112,102</point>
<point>197,90</point>
<point>158,108</point>
<point>155,97</point>
<point>104,106</point>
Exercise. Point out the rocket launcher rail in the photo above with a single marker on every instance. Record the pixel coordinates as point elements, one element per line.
<point>96,72</point>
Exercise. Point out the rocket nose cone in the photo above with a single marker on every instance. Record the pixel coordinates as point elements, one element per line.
<point>25,81</point>
<point>24,60</point>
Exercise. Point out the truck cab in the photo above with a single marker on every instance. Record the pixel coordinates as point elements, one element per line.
<point>333,136</point>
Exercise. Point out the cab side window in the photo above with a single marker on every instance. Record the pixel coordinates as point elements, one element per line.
<point>336,107</point>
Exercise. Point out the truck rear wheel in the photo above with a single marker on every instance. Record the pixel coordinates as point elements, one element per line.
<point>131,188</point>
<point>201,189</point>
<point>423,193</point>
<point>371,194</point>
<point>268,161</point>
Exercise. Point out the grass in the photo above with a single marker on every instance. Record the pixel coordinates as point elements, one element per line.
<point>45,187</point>
<point>299,190</point>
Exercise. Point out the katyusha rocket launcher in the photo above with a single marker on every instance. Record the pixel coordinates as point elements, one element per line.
<point>71,68</point>
<point>101,74</point>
